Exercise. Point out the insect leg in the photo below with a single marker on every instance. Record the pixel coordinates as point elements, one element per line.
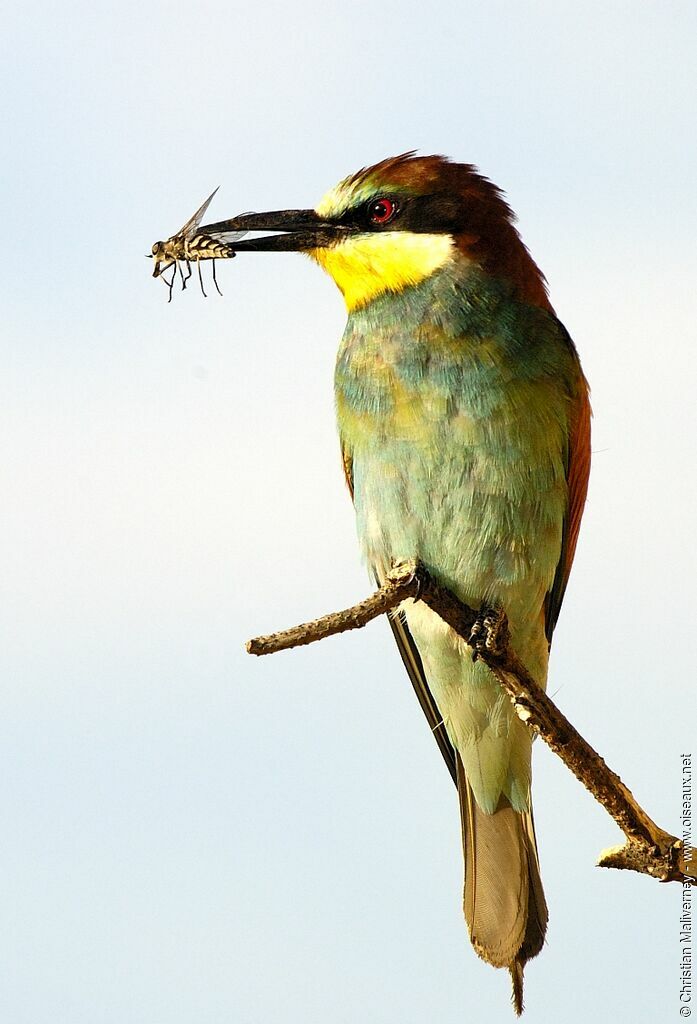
<point>181,274</point>
<point>188,274</point>
<point>200,278</point>
<point>170,283</point>
<point>215,282</point>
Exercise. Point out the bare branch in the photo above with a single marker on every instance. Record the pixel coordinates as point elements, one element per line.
<point>401,584</point>
<point>648,849</point>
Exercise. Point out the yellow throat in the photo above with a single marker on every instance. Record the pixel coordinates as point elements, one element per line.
<point>364,266</point>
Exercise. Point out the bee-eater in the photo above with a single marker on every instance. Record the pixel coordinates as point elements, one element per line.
<point>465,430</point>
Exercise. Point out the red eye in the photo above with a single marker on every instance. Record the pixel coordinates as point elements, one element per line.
<point>380,211</point>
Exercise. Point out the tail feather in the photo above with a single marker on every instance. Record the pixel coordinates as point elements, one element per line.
<point>504,903</point>
<point>537,905</point>
<point>516,970</point>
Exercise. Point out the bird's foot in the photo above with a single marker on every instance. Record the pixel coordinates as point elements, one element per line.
<point>489,634</point>
<point>420,582</point>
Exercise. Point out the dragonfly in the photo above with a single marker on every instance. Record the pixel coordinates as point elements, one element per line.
<point>190,245</point>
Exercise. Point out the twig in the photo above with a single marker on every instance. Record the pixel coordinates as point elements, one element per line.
<point>648,849</point>
<point>398,586</point>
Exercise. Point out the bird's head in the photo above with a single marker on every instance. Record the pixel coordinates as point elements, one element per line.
<point>390,226</point>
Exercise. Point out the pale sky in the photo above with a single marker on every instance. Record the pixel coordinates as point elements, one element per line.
<point>193,836</point>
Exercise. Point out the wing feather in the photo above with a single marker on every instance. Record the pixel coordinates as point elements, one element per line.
<point>411,657</point>
<point>577,472</point>
<point>415,670</point>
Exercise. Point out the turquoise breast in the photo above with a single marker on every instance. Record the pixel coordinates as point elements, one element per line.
<point>453,403</point>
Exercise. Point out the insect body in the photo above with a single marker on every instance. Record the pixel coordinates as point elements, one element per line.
<point>188,246</point>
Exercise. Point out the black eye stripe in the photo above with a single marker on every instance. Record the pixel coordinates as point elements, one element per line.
<point>433,213</point>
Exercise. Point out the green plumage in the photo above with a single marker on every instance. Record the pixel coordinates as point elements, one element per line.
<point>454,404</point>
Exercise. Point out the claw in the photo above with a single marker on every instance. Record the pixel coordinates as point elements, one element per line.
<point>487,635</point>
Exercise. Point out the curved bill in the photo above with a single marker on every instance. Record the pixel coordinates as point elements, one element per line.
<point>297,231</point>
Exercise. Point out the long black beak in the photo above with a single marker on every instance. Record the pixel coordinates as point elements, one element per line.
<point>300,230</point>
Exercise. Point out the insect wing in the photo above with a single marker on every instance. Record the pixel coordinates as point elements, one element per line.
<point>231,236</point>
<point>192,224</point>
